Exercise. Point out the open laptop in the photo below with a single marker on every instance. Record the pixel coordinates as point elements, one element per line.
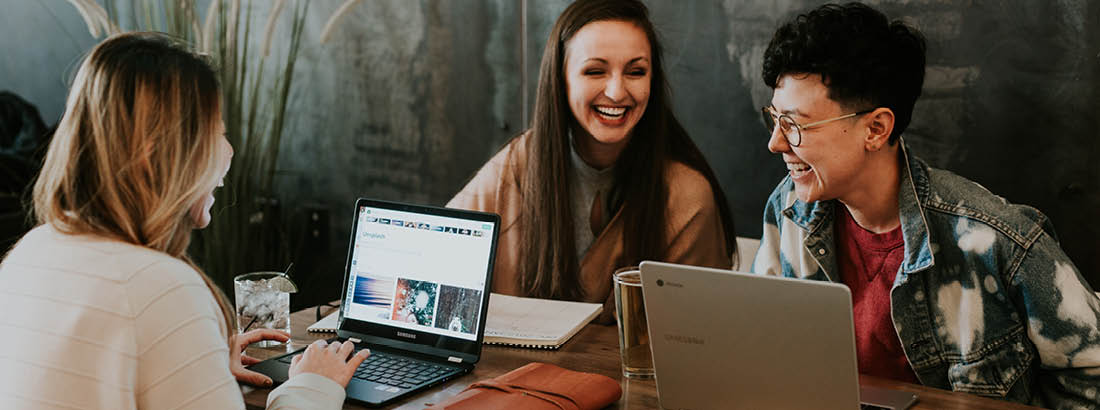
<point>722,339</point>
<point>416,289</point>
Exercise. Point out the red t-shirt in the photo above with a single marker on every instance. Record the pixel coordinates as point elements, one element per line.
<point>868,263</point>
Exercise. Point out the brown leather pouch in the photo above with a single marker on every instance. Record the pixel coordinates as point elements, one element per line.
<point>538,386</point>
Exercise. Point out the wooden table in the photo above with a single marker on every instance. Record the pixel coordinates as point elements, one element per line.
<point>595,349</point>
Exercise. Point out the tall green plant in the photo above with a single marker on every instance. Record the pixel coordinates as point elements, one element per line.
<point>246,231</point>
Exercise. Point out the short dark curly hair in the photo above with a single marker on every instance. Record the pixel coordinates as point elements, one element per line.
<point>864,59</point>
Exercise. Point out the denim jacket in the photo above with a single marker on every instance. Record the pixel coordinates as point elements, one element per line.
<point>985,301</point>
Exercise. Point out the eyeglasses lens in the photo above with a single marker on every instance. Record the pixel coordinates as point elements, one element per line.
<point>769,120</point>
<point>790,130</point>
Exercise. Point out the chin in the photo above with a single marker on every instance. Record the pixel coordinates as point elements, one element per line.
<point>610,133</point>
<point>200,214</point>
<point>611,138</point>
<point>202,222</point>
<point>808,194</point>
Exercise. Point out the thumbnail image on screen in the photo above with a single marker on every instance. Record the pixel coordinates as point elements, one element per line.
<point>458,309</point>
<point>373,291</point>
<point>414,302</point>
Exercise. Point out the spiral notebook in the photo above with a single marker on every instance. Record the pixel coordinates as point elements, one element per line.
<point>535,323</point>
<point>517,321</point>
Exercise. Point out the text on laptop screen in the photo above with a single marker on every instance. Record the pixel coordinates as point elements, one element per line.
<point>419,272</point>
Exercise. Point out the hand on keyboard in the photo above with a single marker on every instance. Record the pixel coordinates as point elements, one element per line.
<point>329,360</point>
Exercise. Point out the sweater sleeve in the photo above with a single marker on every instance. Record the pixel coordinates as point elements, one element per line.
<point>306,391</point>
<point>183,359</point>
<point>695,232</point>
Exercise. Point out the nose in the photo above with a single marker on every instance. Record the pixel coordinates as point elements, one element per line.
<point>778,142</point>
<point>614,89</point>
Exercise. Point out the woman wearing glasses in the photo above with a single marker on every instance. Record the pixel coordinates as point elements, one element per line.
<point>606,176</point>
<point>100,306</point>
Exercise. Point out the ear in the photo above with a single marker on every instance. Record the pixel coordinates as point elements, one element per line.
<point>880,124</point>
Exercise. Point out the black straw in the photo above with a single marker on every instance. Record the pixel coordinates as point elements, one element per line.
<point>250,324</point>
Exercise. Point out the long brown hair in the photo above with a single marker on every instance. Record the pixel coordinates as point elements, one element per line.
<point>549,260</point>
<point>136,148</point>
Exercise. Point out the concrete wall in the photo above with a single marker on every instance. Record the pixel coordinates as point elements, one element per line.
<point>409,98</point>
<point>40,44</point>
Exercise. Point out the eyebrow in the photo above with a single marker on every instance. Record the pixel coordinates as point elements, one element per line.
<point>632,61</point>
<point>793,112</point>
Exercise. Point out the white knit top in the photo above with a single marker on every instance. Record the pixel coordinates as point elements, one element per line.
<point>92,323</point>
<point>585,184</point>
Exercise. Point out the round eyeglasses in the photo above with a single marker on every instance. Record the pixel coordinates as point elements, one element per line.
<point>790,129</point>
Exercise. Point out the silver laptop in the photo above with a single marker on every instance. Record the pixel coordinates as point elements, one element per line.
<point>729,340</point>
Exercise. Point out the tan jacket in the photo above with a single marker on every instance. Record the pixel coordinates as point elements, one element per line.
<point>694,227</point>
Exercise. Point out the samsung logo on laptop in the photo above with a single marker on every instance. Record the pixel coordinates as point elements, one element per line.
<point>685,339</point>
<point>406,335</point>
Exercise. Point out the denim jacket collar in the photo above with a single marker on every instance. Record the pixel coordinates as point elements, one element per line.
<point>912,195</point>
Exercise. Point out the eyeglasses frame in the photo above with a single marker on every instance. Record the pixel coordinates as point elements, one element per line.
<point>776,117</point>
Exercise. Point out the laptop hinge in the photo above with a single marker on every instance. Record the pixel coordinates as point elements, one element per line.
<point>354,340</point>
<point>454,359</point>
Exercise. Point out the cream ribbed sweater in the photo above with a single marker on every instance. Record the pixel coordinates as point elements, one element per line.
<point>92,323</point>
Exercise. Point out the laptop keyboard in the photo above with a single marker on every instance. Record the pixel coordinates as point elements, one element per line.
<point>397,371</point>
<point>400,371</point>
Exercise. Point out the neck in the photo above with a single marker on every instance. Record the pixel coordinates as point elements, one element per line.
<point>596,154</point>
<point>874,206</point>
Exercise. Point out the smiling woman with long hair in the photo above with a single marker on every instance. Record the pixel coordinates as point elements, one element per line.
<point>100,306</point>
<point>606,176</point>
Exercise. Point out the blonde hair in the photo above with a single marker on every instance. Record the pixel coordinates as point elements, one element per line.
<point>136,148</point>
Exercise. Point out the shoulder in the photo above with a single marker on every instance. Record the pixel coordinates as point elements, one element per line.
<point>165,278</point>
<point>88,255</point>
<point>501,172</point>
<point>947,188</point>
<point>956,196</point>
<point>513,156</point>
<point>687,186</point>
<point>103,281</point>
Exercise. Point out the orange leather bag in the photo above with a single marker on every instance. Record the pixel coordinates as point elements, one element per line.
<point>538,386</point>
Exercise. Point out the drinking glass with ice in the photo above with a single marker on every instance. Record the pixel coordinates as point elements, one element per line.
<point>263,301</point>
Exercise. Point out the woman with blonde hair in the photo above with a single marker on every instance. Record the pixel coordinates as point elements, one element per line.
<point>100,306</point>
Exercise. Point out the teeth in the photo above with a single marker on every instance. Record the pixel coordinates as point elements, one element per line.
<point>798,170</point>
<point>611,111</point>
<point>797,167</point>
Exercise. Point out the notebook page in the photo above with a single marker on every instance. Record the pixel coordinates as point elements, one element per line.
<point>536,319</point>
<point>326,325</point>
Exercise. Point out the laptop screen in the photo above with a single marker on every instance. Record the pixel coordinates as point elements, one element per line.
<point>422,272</point>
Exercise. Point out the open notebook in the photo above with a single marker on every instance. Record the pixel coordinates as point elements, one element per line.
<point>537,323</point>
<point>517,321</point>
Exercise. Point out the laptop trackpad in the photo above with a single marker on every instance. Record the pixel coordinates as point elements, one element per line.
<point>886,398</point>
